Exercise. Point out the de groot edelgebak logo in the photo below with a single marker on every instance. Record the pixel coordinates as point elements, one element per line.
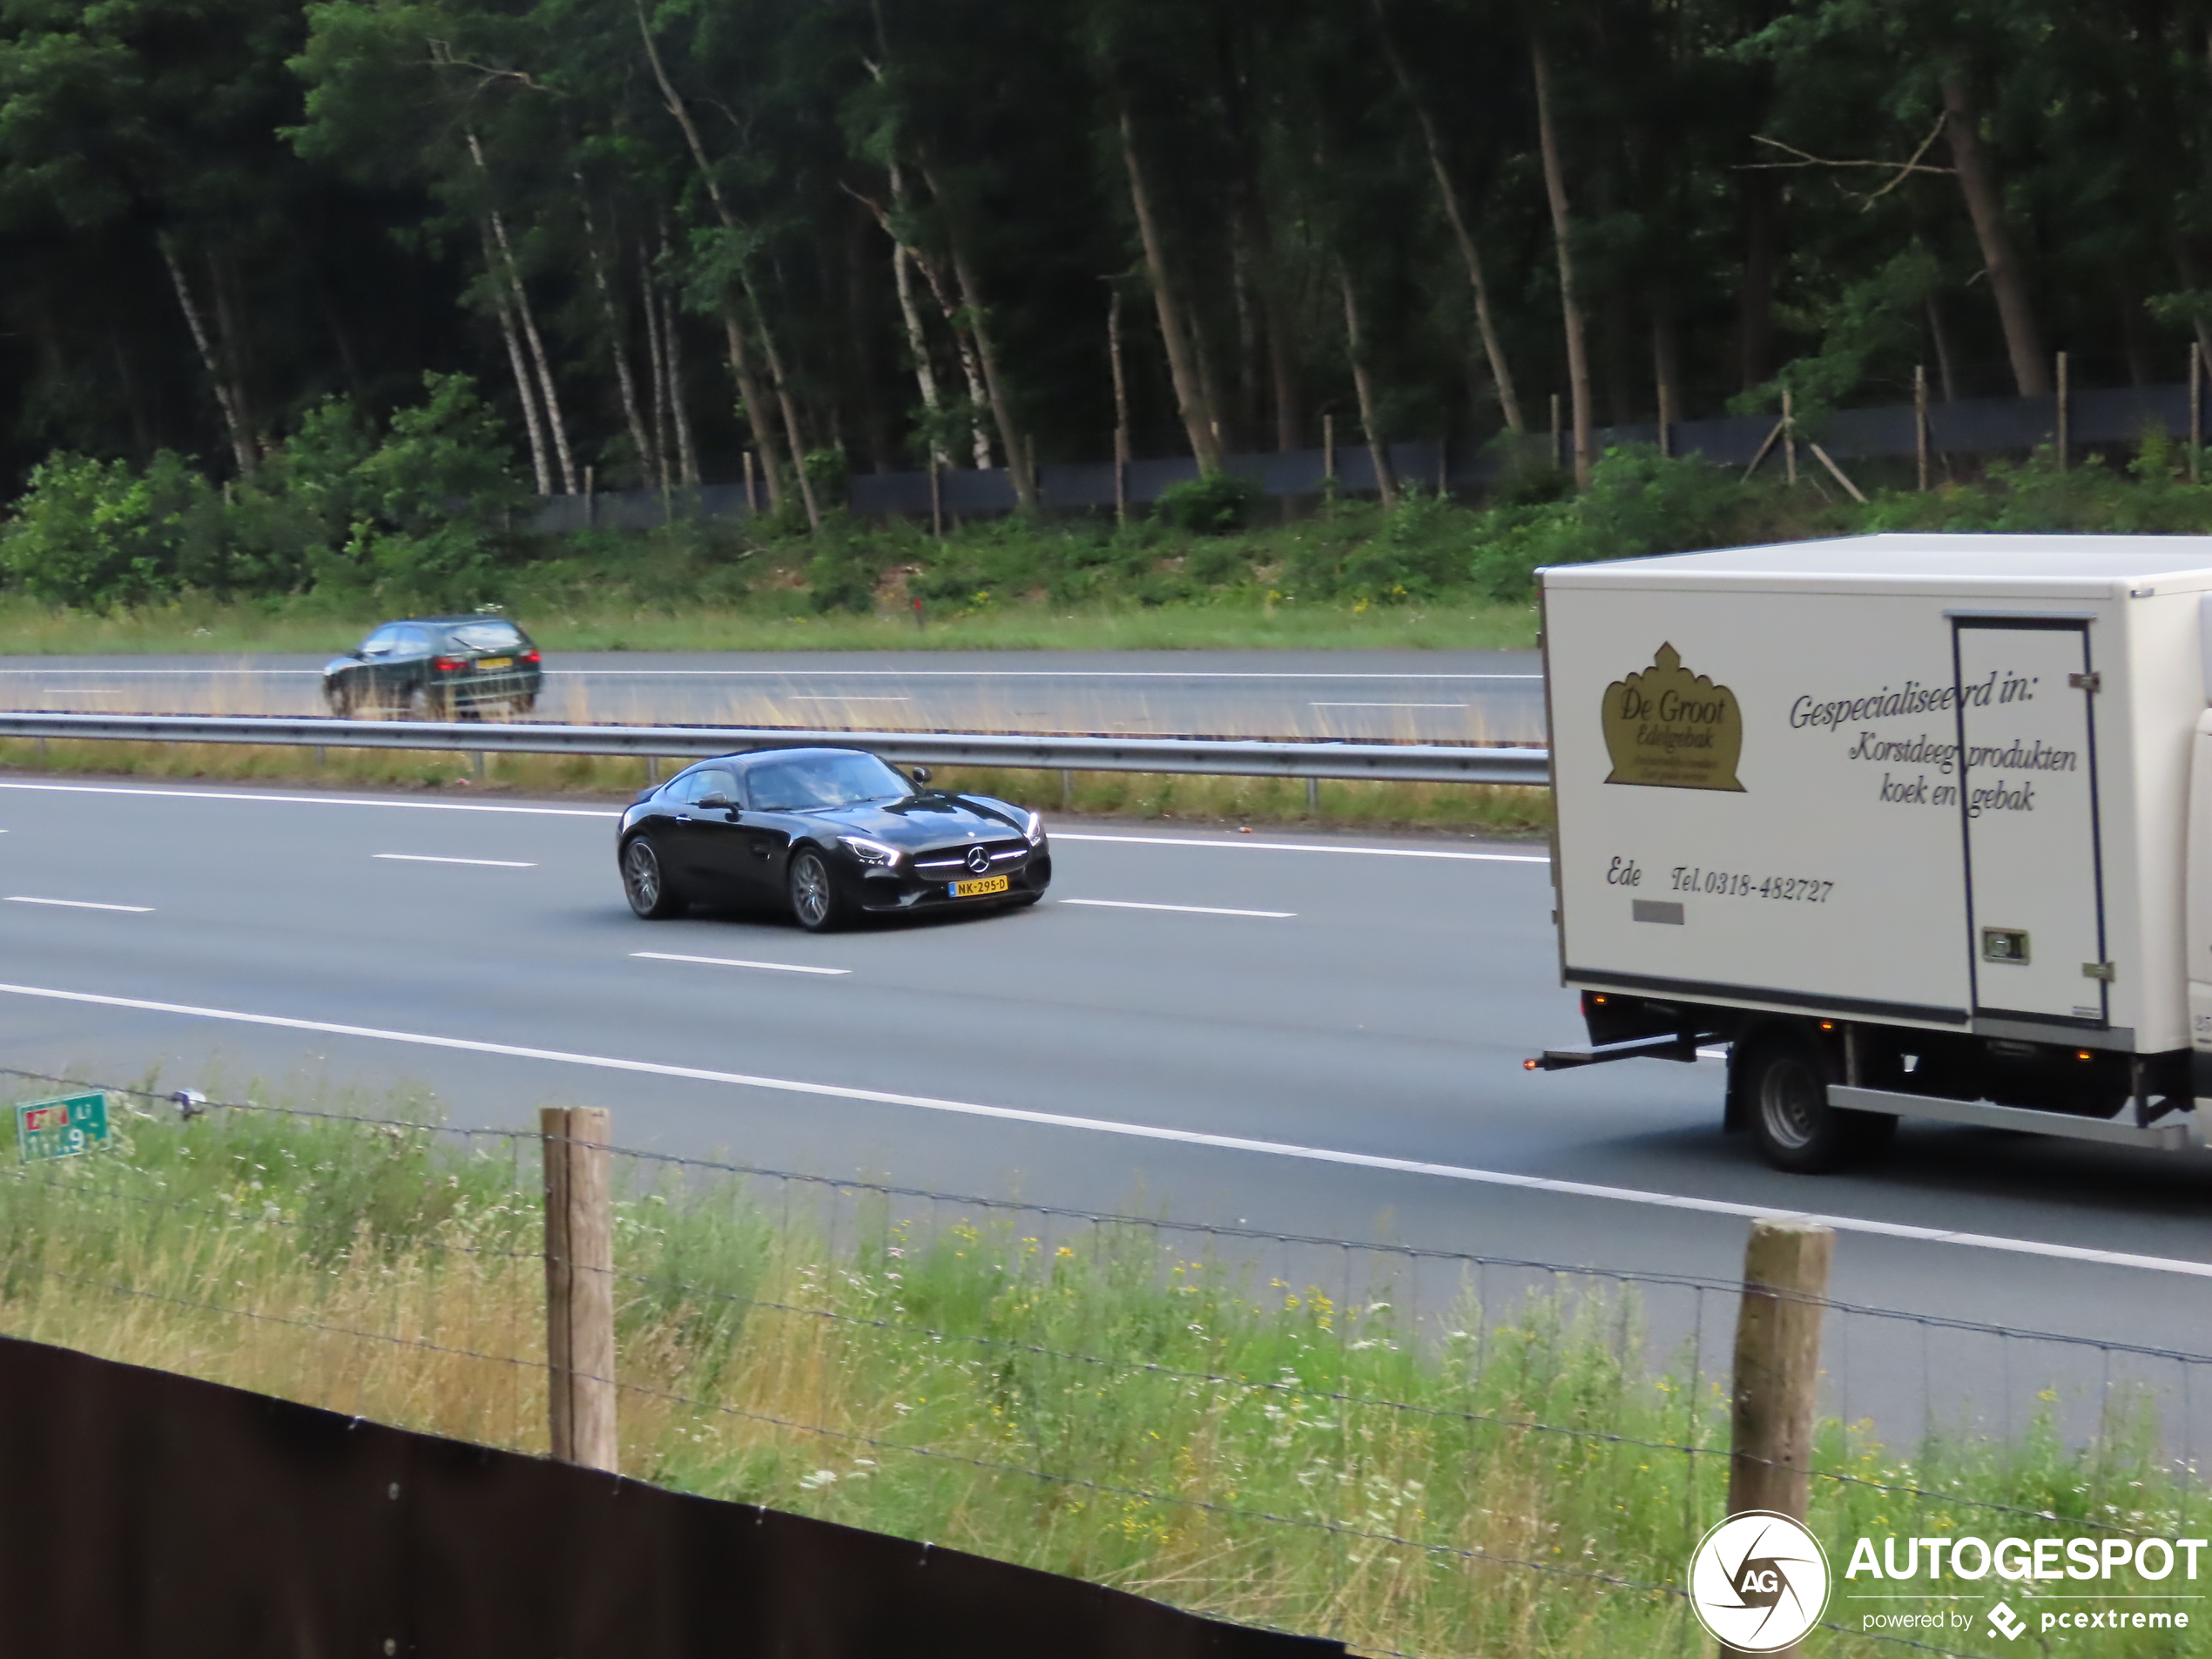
<point>1758,1581</point>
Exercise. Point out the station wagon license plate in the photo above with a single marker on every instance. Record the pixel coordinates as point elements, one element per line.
<point>491,662</point>
<point>988,885</point>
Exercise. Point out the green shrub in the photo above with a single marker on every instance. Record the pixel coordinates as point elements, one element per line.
<point>96,535</point>
<point>1218,503</point>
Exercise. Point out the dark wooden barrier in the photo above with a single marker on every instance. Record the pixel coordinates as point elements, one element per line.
<point>149,1516</point>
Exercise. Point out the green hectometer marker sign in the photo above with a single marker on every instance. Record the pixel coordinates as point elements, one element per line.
<point>61,1128</point>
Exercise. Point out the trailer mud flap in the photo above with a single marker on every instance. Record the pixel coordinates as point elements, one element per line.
<point>2027,797</point>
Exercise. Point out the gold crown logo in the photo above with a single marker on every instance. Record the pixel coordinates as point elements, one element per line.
<point>1667,728</point>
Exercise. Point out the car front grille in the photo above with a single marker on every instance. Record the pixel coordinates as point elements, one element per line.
<point>1005,855</point>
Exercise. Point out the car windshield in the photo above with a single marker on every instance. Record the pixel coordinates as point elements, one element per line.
<point>487,636</point>
<point>803,782</point>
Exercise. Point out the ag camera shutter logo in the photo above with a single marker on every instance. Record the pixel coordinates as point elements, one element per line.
<point>1758,1581</point>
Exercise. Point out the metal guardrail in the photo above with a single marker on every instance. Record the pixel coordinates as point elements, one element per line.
<point>1404,763</point>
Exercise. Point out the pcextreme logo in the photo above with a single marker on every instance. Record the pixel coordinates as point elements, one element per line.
<point>1758,1581</point>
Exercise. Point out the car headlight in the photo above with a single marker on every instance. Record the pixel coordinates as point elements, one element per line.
<point>869,851</point>
<point>1034,830</point>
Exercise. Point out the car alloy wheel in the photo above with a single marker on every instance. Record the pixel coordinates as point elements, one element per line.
<point>645,883</point>
<point>813,892</point>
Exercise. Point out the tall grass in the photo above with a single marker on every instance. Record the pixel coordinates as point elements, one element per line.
<point>1088,1399</point>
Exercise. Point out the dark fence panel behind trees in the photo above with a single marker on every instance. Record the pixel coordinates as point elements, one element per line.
<point>1971,427</point>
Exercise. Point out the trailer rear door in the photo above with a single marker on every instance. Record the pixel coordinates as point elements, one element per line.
<point>2027,694</point>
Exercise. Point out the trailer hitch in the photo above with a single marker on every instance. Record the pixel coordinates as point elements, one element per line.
<point>1682,1046</point>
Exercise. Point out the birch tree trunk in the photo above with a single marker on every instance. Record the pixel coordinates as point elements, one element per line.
<point>1363,386</point>
<point>672,329</point>
<point>649,459</point>
<point>513,274</point>
<point>1578,352</point>
<point>233,419</point>
<point>1486,325</point>
<point>903,263</point>
<point>1025,488</point>
<point>1197,419</point>
<point>1986,207</point>
<point>657,361</point>
<point>541,467</point>
<point>756,407</point>
<point>230,346</point>
<point>777,377</point>
<point>918,344</point>
<point>749,393</point>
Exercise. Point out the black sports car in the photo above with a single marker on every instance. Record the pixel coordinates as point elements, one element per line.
<point>431,667</point>
<point>829,834</point>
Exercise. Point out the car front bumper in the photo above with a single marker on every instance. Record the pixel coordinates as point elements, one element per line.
<point>885,892</point>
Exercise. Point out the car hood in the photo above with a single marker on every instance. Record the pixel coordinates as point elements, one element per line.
<point>924,820</point>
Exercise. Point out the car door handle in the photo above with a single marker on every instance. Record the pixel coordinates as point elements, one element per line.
<point>683,818</point>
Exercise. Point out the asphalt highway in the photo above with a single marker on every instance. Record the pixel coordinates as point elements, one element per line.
<point>1448,697</point>
<point>1291,1034</point>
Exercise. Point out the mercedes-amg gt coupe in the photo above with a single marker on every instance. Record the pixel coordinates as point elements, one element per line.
<point>828,834</point>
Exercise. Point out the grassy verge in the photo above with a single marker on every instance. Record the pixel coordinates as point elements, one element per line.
<point>1096,1404</point>
<point>1147,797</point>
<point>1430,573</point>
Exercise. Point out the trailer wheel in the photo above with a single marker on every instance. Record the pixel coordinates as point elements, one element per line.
<point>1784,1090</point>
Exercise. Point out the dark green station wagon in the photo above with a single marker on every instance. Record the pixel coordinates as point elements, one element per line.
<point>430,668</point>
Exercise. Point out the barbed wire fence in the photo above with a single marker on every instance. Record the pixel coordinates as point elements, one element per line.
<point>1416,1450</point>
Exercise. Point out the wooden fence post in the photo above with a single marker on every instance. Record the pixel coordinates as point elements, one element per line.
<point>2066,408</point>
<point>1328,452</point>
<point>1789,440</point>
<point>1559,449</point>
<point>1777,1365</point>
<point>1920,420</point>
<point>1665,418</point>
<point>579,1285</point>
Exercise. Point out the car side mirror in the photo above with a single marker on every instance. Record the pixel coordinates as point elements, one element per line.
<point>715,803</point>
<point>919,775</point>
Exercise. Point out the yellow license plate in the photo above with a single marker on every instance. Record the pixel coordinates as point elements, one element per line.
<point>491,662</point>
<point>989,883</point>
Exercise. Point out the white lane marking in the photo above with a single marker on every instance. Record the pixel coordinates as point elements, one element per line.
<point>81,690</point>
<point>313,801</point>
<point>732,962</point>
<point>1151,1132</point>
<point>1307,846</point>
<point>1386,706</point>
<point>796,697</point>
<point>427,858</point>
<point>81,904</point>
<point>1186,909</point>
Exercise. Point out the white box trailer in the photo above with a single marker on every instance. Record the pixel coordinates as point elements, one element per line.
<point>1916,825</point>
